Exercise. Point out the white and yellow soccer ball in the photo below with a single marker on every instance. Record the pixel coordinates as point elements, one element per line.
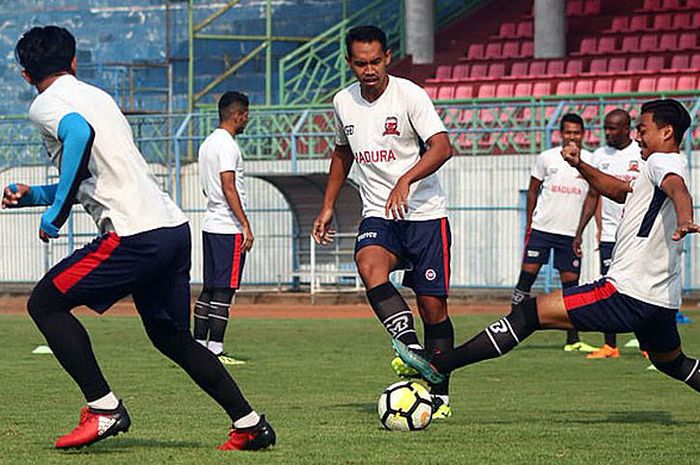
<point>405,406</point>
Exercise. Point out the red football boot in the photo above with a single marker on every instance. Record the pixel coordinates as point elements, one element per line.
<point>260,436</point>
<point>96,425</point>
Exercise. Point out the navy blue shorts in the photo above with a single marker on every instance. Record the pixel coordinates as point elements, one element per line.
<point>605,249</point>
<point>538,245</point>
<point>598,306</point>
<point>153,266</point>
<point>223,260</point>
<point>423,248</point>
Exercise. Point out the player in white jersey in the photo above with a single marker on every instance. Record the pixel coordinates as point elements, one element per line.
<point>555,197</point>
<point>642,291</point>
<point>622,158</point>
<point>143,249</point>
<point>382,122</point>
<point>226,233</point>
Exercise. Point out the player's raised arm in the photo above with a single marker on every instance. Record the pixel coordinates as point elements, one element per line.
<point>18,195</point>
<point>609,186</point>
<point>341,162</point>
<point>674,187</point>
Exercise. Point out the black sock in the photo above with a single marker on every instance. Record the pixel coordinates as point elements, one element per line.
<point>202,366</point>
<point>393,313</point>
<point>522,289</point>
<point>572,336</point>
<point>201,320</point>
<point>496,340</point>
<point>218,313</point>
<point>67,339</point>
<point>611,339</point>
<point>440,338</point>
<point>683,369</point>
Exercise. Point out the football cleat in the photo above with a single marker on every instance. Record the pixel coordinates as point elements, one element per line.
<point>605,352</point>
<point>402,370</point>
<point>96,425</point>
<point>441,410</point>
<point>681,319</point>
<point>227,359</point>
<point>417,360</point>
<point>260,436</point>
<point>579,346</point>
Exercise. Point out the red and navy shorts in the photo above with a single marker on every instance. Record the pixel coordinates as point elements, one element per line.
<point>598,306</point>
<point>153,266</point>
<point>423,248</point>
<point>223,260</point>
<point>538,245</point>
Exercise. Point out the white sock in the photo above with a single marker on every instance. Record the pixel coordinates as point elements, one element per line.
<point>415,346</point>
<point>216,347</point>
<point>203,342</point>
<point>445,399</point>
<point>247,421</point>
<point>108,402</point>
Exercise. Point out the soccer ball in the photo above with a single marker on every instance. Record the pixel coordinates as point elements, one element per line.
<point>405,406</point>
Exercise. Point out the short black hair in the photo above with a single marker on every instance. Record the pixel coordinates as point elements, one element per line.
<point>364,34</point>
<point>232,102</point>
<point>669,112</point>
<point>43,51</point>
<point>571,118</point>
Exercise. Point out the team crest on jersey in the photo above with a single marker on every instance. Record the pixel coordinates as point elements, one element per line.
<point>391,126</point>
<point>604,166</point>
<point>634,166</point>
<point>349,130</point>
<point>552,171</point>
<point>430,274</point>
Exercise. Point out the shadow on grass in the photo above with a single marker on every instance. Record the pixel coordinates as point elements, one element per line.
<point>601,417</point>
<point>363,407</point>
<point>127,445</point>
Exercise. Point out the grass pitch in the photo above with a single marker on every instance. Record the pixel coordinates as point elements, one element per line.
<point>318,382</point>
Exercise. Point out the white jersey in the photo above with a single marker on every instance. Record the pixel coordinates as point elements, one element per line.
<point>564,190</point>
<point>220,153</point>
<point>384,138</point>
<point>121,194</point>
<point>624,164</point>
<point>646,263</point>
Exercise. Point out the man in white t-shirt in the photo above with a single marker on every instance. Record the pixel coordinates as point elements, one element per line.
<point>382,122</point>
<point>143,248</point>
<point>642,291</point>
<point>226,233</point>
<point>621,158</point>
<point>554,201</point>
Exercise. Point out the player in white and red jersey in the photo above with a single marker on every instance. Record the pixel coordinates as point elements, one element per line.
<point>622,158</point>
<point>382,122</point>
<point>555,198</point>
<point>642,291</point>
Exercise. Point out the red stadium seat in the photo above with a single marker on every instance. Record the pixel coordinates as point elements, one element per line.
<point>693,4</point>
<point>527,49</point>
<point>443,72</point>
<point>606,45</point>
<point>655,63</point>
<point>652,5</point>
<point>479,70</point>
<point>493,50</point>
<point>519,69</point>
<point>504,90</point>
<point>695,62</point>
<point>511,49</point>
<point>446,93</point>
<point>497,70</point>
<point>574,8</point>
<point>670,4</point>
<point>591,7</point>
<point>619,24</point>
<point>639,23</point>
<point>663,21</point>
<point>668,42</point>
<point>648,43</point>
<point>680,62</point>
<point>602,86</point>
<point>541,88</point>
<point>555,67</point>
<point>695,22</point>
<point>598,65</point>
<point>617,65</point>
<point>522,89</point>
<point>432,91</point>
<point>584,86</point>
<point>565,88</point>
<point>588,46</point>
<point>647,84</point>
<point>636,64</point>
<point>526,29</point>
<point>487,91</point>
<point>574,67</point>
<point>464,92</point>
<point>538,68</point>
<point>507,30</point>
<point>630,44</point>
<point>686,83</point>
<point>681,21</point>
<point>687,40</point>
<point>622,86</point>
<point>666,83</point>
<point>475,51</point>
<point>460,71</point>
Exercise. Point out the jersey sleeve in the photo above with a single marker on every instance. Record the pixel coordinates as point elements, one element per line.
<point>538,169</point>
<point>227,156</point>
<point>422,115</point>
<point>340,137</point>
<point>660,167</point>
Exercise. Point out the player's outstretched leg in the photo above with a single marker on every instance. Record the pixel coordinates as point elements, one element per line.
<point>250,431</point>
<point>678,366</point>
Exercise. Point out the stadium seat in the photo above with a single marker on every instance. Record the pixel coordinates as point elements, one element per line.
<point>527,49</point>
<point>666,83</point>
<point>622,86</point>
<point>693,4</point>
<point>475,51</point>
<point>460,71</point>
<point>686,83</point>
<point>486,91</point>
<point>522,89</point>
<point>504,90</point>
<point>519,69</point>
<point>687,40</point>
<point>630,44</point>
<point>526,29</point>
<point>695,61</point>
<point>443,72</point>
<point>565,88</point>
<point>555,67</point>
<point>574,67</point>
<point>619,24</point>
<point>432,91</point>
<point>639,23</point>
<point>648,43</point>
<point>670,4</point>
<point>583,86</point>
<point>668,42</point>
<point>591,7</point>
<point>598,66</point>
<point>574,8</point>
<point>663,21</point>
<point>511,49</point>
<point>652,5</point>
<point>680,62</point>
<point>541,89</point>
<point>681,21</point>
<point>635,64</point>
<point>617,65</point>
<point>695,22</point>
<point>464,92</point>
<point>446,93</point>
<point>538,68</point>
<point>493,50</point>
<point>654,63</point>
<point>589,112</point>
<point>507,31</point>
<point>646,84</point>
<point>478,70</point>
<point>497,70</point>
<point>588,46</point>
<point>606,45</point>
<point>602,86</point>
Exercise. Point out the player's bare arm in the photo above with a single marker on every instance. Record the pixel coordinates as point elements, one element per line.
<point>439,152</point>
<point>674,186</point>
<point>609,186</point>
<point>590,207</point>
<point>341,162</point>
<point>532,193</point>
<point>228,185</point>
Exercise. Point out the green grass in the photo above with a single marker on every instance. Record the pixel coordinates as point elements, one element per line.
<point>318,381</point>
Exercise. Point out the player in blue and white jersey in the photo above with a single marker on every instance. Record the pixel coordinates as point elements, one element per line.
<point>143,248</point>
